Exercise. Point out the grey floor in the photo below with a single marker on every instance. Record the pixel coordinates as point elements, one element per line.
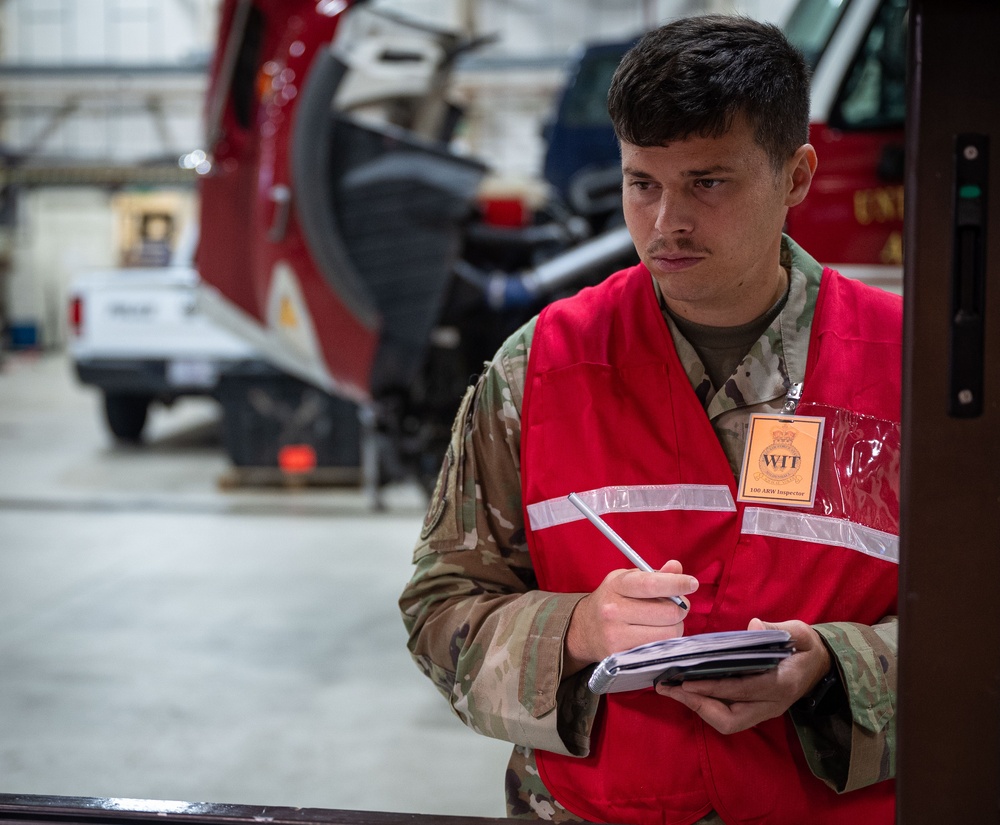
<point>162,637</point>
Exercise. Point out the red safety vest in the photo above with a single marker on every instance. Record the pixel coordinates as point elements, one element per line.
<point>609,413</point>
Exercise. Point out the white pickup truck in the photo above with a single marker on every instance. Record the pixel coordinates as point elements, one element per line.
<point>138,335</point>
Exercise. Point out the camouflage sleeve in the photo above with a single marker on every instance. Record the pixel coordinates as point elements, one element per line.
<point>856,746</point>
<point>491,642</point>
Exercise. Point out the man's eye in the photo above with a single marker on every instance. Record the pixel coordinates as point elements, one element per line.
<point>641,185</point>
<point>707,183</point>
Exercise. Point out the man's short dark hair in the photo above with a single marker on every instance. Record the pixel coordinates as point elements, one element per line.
<point>692,77</point>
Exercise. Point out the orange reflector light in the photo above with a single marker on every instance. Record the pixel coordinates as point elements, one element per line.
<point>297,458</point>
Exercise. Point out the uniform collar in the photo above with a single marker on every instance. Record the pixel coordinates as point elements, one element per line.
<point>777,359</point>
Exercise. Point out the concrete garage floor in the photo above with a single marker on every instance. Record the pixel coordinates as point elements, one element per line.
<point>163,638</point>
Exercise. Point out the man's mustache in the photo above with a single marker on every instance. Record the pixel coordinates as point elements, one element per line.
<point>660,247</point>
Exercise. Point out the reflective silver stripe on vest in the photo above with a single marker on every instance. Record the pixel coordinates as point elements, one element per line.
<point>637,499</point>
<point>760,521</point>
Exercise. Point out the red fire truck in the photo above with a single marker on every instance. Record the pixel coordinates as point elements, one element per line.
<point>344,238</point>
<point>853,217</point>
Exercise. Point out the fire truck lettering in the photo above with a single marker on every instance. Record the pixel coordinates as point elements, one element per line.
<point>882,205</point>
<point>892,252</point>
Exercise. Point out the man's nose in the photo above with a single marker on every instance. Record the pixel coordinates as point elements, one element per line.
<point>674,214</point>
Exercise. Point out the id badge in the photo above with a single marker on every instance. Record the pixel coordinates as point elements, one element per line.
<point>781,461</point>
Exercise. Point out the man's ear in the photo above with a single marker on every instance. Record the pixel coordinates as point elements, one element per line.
<point>800,170</point>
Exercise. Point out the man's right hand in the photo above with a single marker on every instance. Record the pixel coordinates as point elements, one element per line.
<point>629,608</point>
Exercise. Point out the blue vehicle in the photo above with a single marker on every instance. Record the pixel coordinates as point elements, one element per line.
<point>582,162</point>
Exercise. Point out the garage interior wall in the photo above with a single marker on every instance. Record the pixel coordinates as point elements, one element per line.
<point>121,82</point>
<point>87,85</point>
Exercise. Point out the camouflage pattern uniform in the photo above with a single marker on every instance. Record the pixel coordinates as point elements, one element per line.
<point>492,642</point>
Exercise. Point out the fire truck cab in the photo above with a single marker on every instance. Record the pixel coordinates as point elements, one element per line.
<point>852,219</point>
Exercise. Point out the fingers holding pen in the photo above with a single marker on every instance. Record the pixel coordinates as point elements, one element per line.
<point>667,582</point>
<point>629,608</point>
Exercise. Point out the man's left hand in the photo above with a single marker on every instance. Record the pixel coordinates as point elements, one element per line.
<point>732,705</point>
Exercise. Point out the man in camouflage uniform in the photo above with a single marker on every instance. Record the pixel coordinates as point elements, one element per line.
<point>512,659</point>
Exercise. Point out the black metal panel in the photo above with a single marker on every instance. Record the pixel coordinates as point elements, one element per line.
<point>312,180</point>
<point>399,206</point>
<point>266,410</point>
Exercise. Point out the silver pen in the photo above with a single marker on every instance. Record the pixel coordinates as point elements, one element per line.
<point>619,542</point>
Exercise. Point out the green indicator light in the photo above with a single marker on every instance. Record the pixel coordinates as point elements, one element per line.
<point>970,191</point>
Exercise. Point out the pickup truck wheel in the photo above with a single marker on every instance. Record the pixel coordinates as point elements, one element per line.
<point>126,415</point>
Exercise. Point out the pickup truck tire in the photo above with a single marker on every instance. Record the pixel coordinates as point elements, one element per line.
<point>126,415</point>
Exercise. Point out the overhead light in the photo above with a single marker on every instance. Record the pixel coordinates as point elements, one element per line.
<point>196,160</point>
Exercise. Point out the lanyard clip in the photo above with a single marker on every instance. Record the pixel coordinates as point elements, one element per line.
<point>792,398</point>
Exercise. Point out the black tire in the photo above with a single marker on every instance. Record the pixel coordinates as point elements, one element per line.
<point>126,415</point>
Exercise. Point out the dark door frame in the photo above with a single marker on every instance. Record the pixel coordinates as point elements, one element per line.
<point>949,669</point>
